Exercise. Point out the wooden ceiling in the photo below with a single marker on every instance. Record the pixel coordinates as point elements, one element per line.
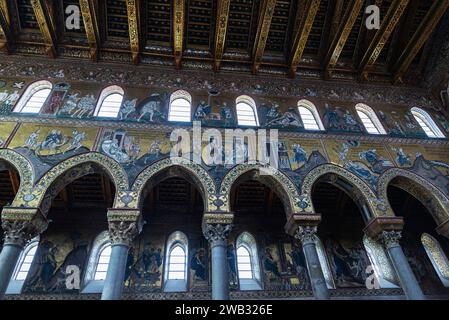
<point>299,38</point>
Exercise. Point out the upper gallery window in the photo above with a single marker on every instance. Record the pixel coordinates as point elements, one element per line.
<point>426,123</point>
<point>369,119</point>
<point>34,97</point>
<point>110,101</point>
<point>180,106</point>
<point>103,262</point>
<point>175,274</point>
<point>246,111</point>
<point>309,115</point>
<point>23,267</point>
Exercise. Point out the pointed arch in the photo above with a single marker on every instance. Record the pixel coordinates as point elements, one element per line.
<point>286,189</point>
<point>420,188</point>
<point>176,262</point>
<point>74,168</point>
<point>437,257</point>
<point>360,188</point>
<point>201,178</point>
<point>26,173</point>
<point>34,97</point>
<point>248,268</point>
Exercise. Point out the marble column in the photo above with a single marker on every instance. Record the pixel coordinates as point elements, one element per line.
<point>217,234</point>
<point>17,234</point>
<point>121,234</point>
<point>306,236</point>
<point>400,263</point>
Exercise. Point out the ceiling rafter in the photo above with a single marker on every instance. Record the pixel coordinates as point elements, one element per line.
<point>5,25</point>
<point>178,30</point>
<point>336,18</point>
<point>89,13</point>
<point>263,28</point>
<point>302,35</point>
<point>133,10</point>
<point>220,31</point>
<point>421,35</point>
<point>341,35</point>
<point>43,18</point>
<point>394,14</point>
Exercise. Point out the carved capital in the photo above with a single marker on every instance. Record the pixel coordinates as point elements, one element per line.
<point>123,232</point>
<point>301,219</point>
<point>306,234</point>
<point>390,238</point>
<point>20,225</point>
<point>217,234</point>
<point>124,225</point>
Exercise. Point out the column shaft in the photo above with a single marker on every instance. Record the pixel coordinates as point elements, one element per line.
<point>113,285</point>
<point>8,260</point>
<point>220,280</point>
<point>317,280</point>
<point>405,274</point>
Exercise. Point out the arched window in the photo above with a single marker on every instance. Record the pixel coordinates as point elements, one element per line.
<point>369,119</point>
<point>177,263</point>
<point>244,263</point>
<point>34,97</point>
<point>427,124</point>
<point>22,267</point>
<point>382,268</point>
<point>437,257</point>
<point>98,263</point>
<point>248,262</point>
<point>180,107</point>
<point>309,115</point>
<point>246,111</point>
<point>103,262</point>
<point>175,274</point>
<point>109,103</point>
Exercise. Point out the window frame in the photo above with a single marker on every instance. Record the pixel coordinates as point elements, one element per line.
<point>176,239</point>
<point>105,93</point>
<point>372,117</point>
<point>303,103</point>
<point>249,243</point>
<point>29,92</point>
<point>252,105</point>
<point>180,95</point>
<point>422,116</point>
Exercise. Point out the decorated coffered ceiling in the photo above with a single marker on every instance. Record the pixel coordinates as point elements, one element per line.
<point>318,39</point>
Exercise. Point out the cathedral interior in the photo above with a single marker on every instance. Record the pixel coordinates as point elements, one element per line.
<point>116,180</point>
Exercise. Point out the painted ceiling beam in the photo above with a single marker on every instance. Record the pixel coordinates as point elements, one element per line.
<point>88,11</point>
<point>5,25</point>
<point>43,18</point>
<point>302,35</point>
<point>336,18</point>
<point>178,30</point>
<point>133,24</point>
<point>394,14</point>
<point>419,38</point>
<point>263,28</point>
<point>220,31</point>
<point>343,32</point>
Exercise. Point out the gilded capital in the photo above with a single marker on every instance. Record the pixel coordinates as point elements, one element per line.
<point>217,233</point>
